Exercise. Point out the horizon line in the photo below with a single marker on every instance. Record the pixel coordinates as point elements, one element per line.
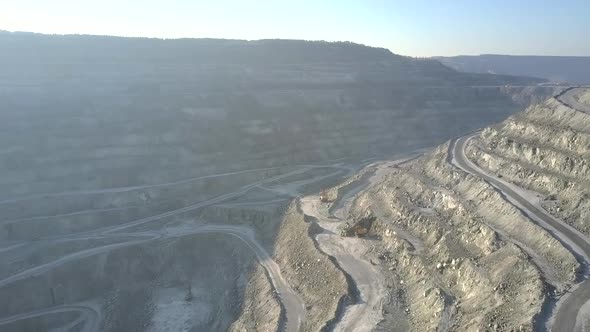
<point>284,39</point>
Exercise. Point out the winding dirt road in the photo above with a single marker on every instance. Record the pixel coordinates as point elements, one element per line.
<point>569,98</point>
<point>350,253</point>
<point>568,306</point>
<point>87,314</point>
<point>292,303</point>
<point>294,306</point>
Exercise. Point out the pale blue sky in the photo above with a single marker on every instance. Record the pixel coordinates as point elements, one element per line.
<point>410,27</point>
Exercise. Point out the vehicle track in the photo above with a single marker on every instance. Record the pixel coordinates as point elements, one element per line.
<point>568,98</point>
<point>88,314</point>
<point>158,185</point>
<point>568,306</point>
<point>348,252</point>
<point>130,188</point>
<point>293,305</point>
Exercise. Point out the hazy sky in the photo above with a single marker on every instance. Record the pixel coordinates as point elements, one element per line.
<point>409,27</point>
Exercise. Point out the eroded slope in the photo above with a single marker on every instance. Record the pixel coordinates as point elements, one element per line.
<point>545,149</point>
<point>459,253</point>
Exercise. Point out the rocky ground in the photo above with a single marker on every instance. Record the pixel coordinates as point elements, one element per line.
<point>261,310</point>
<point>545,149</point>
<point>584,98</point>
<point>448,250</point>
<point>463,253</point>
<point>112,165</point>
<point>309,271</point>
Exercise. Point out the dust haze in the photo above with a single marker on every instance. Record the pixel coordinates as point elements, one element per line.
<point>286,185</point>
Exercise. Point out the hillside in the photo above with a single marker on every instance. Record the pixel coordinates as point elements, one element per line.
<point>486,232</point>
<point>139,105</point>
<point>572,69</point>
<point>159,175</point>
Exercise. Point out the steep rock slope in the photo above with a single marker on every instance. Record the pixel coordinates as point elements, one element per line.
<point>463,252</point>
<point>88,112</point>
<point>464,255</point>
<point>321,285</point>
<point>545,149</point>
<point>261,311</point>
<point>129,148</point>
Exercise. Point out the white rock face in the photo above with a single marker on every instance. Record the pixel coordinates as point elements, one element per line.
<point>545,149</point>
<point>470,260</point>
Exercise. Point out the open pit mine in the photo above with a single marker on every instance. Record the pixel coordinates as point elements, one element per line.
<point>226,185</point>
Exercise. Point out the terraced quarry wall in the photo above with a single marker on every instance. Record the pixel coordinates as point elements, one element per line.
<point>98,120</point>
<point>545,149</point>
<point>457,246</point>
<point>465,255</point>
<point>125,163</point>
<point>137,282</point>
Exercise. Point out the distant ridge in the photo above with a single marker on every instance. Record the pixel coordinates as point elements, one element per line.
<point>572,69</point>
<point>92,47</point>
<point>373,64</point>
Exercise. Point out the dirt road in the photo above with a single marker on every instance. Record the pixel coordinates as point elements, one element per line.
<point>294,306</point>
<point>350,254</point>
<point>88,314</point>
<point>568,306</point>
<point>568,98</point>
